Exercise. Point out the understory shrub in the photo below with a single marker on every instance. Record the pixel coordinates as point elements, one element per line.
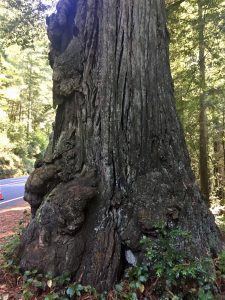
<point>166,273</point>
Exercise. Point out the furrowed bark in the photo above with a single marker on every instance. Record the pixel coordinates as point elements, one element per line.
<point>117,163</point>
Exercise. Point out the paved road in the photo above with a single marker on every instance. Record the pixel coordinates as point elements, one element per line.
<point>12,190</point>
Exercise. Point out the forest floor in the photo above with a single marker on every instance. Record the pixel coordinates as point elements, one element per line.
<point>10,286</point>
<point>9,220</point>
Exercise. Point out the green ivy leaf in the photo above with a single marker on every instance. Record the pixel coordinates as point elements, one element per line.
<point>70,292</point>
<point>119,287</point>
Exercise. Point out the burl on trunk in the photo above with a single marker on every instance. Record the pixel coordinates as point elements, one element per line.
<point>117,163</point>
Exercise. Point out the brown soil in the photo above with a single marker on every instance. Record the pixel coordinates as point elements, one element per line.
<point>9,219</point>
<point>10,285</point>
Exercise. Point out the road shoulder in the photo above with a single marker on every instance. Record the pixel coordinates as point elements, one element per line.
<point>9,220</point>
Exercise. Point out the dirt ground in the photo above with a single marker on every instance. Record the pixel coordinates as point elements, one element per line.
<point>10,287</point>
<point>9,219</point>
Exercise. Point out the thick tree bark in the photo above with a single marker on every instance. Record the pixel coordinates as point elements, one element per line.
<point>117,163</point>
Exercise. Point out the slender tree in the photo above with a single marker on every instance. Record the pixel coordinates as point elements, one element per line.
<point>117,163</point>
<point>197,68</point>
<point>203,143</point>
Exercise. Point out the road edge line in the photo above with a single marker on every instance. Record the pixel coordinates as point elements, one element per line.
<point>11,200</point>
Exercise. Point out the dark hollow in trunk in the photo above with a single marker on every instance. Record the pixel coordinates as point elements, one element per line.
<point>117,163</point>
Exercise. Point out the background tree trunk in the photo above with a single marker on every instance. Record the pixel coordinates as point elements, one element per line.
<point>203,132</point>
<point>117,163</point>
<point>219,167</point>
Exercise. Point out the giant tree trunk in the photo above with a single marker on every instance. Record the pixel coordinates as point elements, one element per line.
<point>117,163</point>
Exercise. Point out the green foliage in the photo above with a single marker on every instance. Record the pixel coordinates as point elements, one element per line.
<point>11,244</point>
<point>183,21</point>
<point>22,21</point>
<point>53,296</point>
<point>175,270</point>
<point>26,112</point>
<point>9,248</point>
<point>165,273</point>
<point>10,164</point>
<point>220,220</point>
<point>62,280</point>
<point>205,295</point>
<point>34,281</point>
<point>74,290</point>
<point>58,287</point>
<point>221,264</point>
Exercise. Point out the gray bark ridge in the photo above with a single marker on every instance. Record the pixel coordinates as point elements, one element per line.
<point>117,163</point>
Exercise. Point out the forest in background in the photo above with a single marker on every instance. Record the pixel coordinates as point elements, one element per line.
<point>197,33</point>
<point>26,112</point>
